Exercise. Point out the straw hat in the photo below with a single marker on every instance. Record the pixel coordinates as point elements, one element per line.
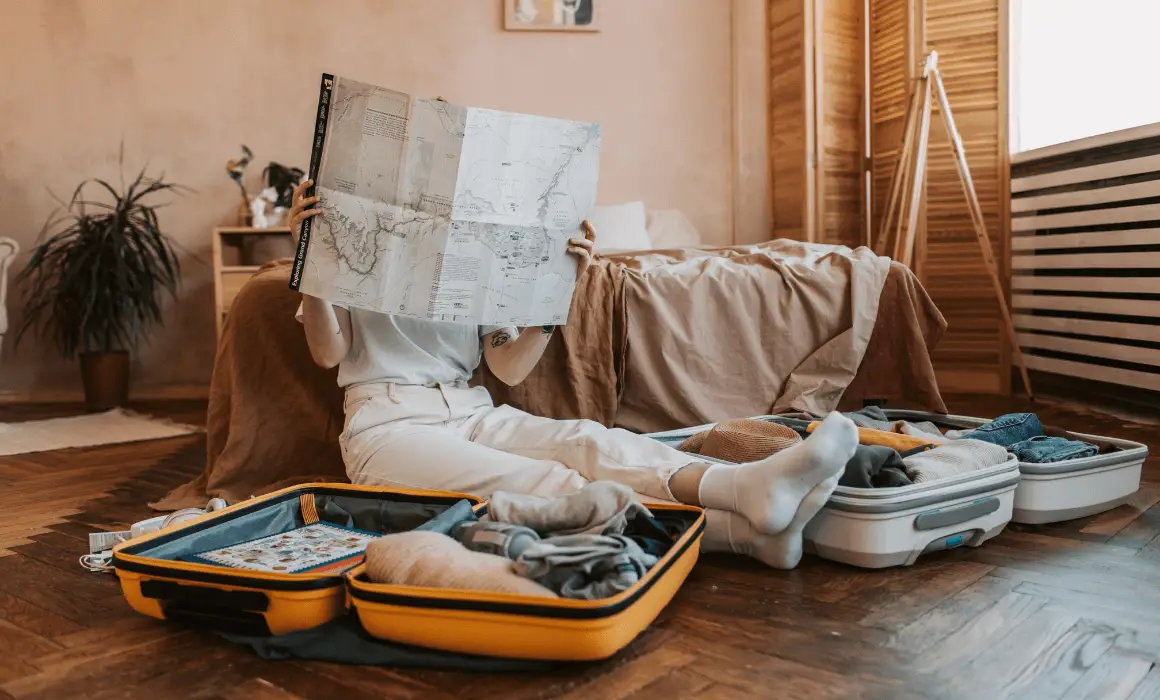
<point>744,440</point>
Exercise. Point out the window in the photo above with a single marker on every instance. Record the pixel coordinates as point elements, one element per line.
<point>1081,68</point>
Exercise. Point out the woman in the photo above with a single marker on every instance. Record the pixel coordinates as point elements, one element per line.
<point>412,421</point>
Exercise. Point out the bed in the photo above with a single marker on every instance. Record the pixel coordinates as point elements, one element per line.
<point>657,339</point>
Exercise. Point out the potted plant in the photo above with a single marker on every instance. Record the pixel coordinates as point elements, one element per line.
<point>93,284</point>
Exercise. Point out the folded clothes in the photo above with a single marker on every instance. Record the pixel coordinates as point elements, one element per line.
<point>1103,446</point>
<point>875,418</point>
<point>587,567</point>
<point>896,441</point>
<point>798,425</point>
<point>1043,448</point>
<point>601,507</point>
<point>432,559</point>
<point>650,535</point>
<point>1030,441</point>
<point>871,417</point>
<point>952,459</point>
<point>925,431</point>
<point>874,466</point>
<point>501,539</point>
<point>592,565</point>
<point>741,441</point>
<point>1006,430</point>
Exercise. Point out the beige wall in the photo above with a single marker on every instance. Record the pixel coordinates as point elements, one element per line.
<point>184,82</point>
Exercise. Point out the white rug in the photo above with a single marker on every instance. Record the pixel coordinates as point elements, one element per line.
<point>111,427</point>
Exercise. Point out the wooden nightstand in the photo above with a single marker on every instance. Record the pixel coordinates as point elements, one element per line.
<point>229,270</point>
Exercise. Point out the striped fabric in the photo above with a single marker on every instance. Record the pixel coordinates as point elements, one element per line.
<point>309,511</point>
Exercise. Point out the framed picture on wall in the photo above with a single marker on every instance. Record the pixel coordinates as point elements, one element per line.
<point>550,15</point>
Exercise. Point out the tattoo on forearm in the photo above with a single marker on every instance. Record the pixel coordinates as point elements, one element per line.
<point>499,339</point>
<point>547,329</point>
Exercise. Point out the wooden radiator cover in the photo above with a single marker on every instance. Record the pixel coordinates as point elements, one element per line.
<point>1086,257</point>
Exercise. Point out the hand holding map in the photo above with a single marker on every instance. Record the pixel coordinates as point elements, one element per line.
<point>444,213</point>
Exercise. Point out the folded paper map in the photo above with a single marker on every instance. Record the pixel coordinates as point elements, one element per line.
<point>441,212</point>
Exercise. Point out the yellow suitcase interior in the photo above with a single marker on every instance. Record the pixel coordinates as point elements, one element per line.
<point>158,582</point>
<point>513,626</point>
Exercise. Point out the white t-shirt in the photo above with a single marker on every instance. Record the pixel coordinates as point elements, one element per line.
<point>401,350</point>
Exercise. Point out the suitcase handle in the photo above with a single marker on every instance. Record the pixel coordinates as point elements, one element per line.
<point>173,592</point>
<point>231,612</point>
<point>942,517</point>
<point>239,622</point>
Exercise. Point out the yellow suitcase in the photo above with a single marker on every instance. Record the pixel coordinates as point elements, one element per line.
<point>158,583</point>
<point>158,580</point>
<point>512,626</point>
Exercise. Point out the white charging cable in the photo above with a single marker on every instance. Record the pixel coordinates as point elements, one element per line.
<point>101,561</point>
<point>98,563</point>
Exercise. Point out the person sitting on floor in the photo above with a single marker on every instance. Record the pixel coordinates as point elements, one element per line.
<point>411,420</point>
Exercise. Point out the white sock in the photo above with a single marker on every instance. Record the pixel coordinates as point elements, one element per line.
<point>730,532</point>
<point>768,492</point>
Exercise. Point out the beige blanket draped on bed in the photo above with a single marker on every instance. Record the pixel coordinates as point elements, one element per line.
<point>749,330</point>
<point>654,341</point>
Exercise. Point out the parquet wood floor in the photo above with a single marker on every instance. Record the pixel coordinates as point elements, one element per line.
<point>1070,610</point>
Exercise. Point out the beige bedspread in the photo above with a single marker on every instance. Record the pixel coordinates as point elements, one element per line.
<point>746,330</point>
<point>654,341</point>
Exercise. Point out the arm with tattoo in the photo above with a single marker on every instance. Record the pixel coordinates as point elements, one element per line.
<point>513,360</point>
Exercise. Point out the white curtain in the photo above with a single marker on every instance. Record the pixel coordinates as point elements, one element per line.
<point>1081,68</point>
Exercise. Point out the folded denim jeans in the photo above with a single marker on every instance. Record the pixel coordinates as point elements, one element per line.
<point>1007,430</point>
<point>1043,448</point>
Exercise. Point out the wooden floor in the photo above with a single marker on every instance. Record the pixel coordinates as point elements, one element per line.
<point>1063,611</point>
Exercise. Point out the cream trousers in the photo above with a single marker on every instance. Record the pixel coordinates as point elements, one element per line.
<point>452,438</point>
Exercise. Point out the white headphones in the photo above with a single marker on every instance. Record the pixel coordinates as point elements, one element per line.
<point>186,514</point>
<point>99,562</point>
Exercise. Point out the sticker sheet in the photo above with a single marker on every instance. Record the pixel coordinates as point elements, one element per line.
<point>313,548</point>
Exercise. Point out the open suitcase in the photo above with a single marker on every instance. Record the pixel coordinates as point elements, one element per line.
<point>884,527</point>
<point>159,579</point>
<point>1056,491</point>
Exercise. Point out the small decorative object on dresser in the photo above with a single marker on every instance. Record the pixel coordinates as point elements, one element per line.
<point>268,208</point>
<point>236,169</point>
<point>93,283</point>
<point>550,15</point>
<point>234,261</point>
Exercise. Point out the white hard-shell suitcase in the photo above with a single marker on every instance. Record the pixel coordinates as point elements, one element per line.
<point>878,528</point>
<point>1055,491</point>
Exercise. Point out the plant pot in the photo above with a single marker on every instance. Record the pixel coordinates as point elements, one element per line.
<point>105,376</point>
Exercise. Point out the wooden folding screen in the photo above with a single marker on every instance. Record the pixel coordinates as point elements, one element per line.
<point>841,72</point>
<point>816,103</point>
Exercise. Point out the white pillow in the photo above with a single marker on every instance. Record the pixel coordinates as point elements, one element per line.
<point>670,228</point>
<point>620,227</point>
